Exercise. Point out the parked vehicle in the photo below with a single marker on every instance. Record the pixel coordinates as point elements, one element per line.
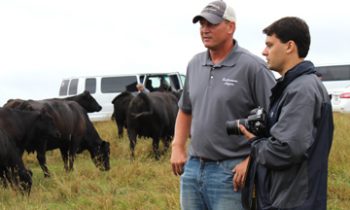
<point>105,88</point>
<point>336,79</point>
<point>341,99</point>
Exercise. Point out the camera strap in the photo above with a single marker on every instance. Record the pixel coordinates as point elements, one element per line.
<point>248,190</point>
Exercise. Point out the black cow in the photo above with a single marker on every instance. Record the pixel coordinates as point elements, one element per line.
<point>85,100</point>
<point>152,115</point>
<point>121,104</point>
<point>77,133</point>
<point>20,130</point>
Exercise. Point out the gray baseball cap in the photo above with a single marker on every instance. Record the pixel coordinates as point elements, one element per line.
<point>215,12</point>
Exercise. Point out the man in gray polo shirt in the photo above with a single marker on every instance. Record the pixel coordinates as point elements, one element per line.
<point>223,83</point>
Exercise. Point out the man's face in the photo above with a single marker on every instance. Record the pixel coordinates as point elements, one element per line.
<point>275,53</point>
<point>213,36</point>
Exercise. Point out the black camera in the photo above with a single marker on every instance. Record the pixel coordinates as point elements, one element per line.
<point>255,123</point>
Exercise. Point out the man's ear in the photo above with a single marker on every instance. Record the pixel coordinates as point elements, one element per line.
<point>231,27</point>
<point>291,46</point>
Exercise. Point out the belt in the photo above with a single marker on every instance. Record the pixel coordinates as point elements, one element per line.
<point>202,159</point>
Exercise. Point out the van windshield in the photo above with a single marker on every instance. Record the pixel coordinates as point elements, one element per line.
<point>163,82</point>
<point>118,84</point>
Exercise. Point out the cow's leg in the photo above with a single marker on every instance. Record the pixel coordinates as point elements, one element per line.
<point>42,162</point>
<point>155,146</point>
<point>120,130</point>
<point>166,142</point>
<point>24,180</point>
<point>64,154</point>
<point>132,139</point>
<point>3,177</point>
<point>73,147</point>
<point>71,157</point>
<point>21,177</point>
<point>9,174</point>
<point>41,157</point>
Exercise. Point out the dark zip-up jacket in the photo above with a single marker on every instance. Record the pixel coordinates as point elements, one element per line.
<point>289,167</point>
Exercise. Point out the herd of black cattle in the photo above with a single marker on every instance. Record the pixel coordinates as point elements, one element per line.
<point>63,123</point>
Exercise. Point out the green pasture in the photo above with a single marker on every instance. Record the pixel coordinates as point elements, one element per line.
<point>143,184</point>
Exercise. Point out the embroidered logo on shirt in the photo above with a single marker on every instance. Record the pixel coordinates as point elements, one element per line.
<point>229,82</point>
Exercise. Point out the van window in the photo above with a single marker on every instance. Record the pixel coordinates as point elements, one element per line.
<point>118,84</point>
<point>158,82</point>
<point>64,88</point>
<point>73,87</point>
<point>90,85</point>
<point>331,73</point>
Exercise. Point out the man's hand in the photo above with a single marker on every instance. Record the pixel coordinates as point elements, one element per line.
<point>241,168</point>
<point>240,174</point>
<point>248,135</point>
<point>178,159</point>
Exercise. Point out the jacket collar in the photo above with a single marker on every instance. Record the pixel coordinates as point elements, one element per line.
<point>305,67</point>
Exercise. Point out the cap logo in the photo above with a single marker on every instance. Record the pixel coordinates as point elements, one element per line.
<point>214,9</point>
<point>213,5</point>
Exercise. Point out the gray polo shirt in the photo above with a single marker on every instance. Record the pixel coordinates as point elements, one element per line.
<point>214,94</point>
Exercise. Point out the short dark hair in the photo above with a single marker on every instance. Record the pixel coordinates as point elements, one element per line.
<point>291,28</point>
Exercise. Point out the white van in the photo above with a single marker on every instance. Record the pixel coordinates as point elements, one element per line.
<point>336,79</point>
<point>105,88</point>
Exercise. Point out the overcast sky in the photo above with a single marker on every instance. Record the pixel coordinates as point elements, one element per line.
<point>43,41</point>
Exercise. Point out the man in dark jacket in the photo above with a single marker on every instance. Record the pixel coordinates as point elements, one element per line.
<point>289,166</point>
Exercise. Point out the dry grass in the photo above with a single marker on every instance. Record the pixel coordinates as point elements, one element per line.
<point>142,184</point>
<point>339,167</point>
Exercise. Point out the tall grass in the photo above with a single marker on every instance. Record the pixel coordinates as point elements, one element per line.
<point>142,184</point>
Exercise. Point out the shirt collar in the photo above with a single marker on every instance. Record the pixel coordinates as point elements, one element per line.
<point>230,59</point>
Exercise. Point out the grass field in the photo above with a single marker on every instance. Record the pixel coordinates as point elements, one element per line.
<point>143,184</point>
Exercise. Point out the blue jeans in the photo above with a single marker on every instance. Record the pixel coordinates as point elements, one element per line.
<point>208,185</point>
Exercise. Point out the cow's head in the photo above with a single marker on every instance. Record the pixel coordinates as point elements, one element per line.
<point>101,156</point>
<point>16,103</point>
<point>88,102</point>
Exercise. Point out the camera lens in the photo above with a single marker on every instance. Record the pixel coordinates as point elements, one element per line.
<point>232,127</point>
